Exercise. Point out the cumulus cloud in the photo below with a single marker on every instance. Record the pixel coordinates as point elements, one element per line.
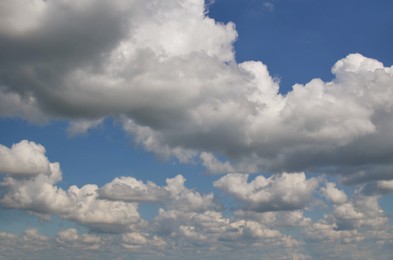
<point>359,212</point>
<point>350,216</point>
<point>71,238</point>
<point>278,192</point>
<point>190,220</point>
<point>168,73</point>
<point>111,208</point>
<point>37,192</point>
<point>25,158</point>
<point>335,195</point>
<point>131,189</point>
<point>209,106</point>
<point>40,196</point>
<point>212,230</point>
<point>185,217</point>
<point>173,196</point>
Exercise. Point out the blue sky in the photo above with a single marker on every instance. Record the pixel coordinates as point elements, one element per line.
<point>164,129</point>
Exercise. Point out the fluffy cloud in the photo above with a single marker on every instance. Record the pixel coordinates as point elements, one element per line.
<point>25,158</point>
<point>278,192</point>
<point>130,189</point>
<point>71,238</point>
<point>349,217</point>
<point>191,222</point>
<point>112,208</point>
<point>37,192</point>
<point>167,72</point>
<point>162,51</point>
<point>335,195</point>
<point>361,211</point>
<point>174,195</point>
<point>40,196</point>
<point>186,218</point>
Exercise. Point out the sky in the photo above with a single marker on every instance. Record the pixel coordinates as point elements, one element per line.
<point>250,129</point>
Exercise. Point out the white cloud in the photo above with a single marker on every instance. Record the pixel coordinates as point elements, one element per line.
<point>82,126</point>
<point>33,241</point>
<point>112,208</point>
<point>361,211</point>
<point>378,187</point>
<point>32,234</point>
<point>174,53</point>
<point>189,220</point>
<point>278,192</point>
<point>322,230</point>
<point>133,241</point>
<point>213,231</point>
<point>24,159</point>
<point>168,72</point>
<point>335,195</point>
<point>385,186</point>
<point>37,195</point>
<point>40,196</point>
<point>71,238</point>
<point>174,195</point>
<point>276,219</point>
<point>70,234</point>
<point>131,189</point>
<point>101,215</point>
<point>214,165</point>
<point>37,192</point>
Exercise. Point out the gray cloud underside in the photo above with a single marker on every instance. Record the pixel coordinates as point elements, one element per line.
<point>187,221</point>
<point>168,71</point>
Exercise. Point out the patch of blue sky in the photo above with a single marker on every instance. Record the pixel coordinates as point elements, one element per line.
<point>302,39</point>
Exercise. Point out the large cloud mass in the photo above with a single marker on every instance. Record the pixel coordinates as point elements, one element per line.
<point>168,71</point>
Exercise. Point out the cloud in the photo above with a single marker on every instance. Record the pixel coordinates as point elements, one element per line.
<point>174,195</point>
<point>268,6</point>
<point>214,165</point>
<point>82,126</point>
<point>271,214</point>
<point>25,158</point>
<point>209,105</point>
<point>279,192</point>
<point>32,234</point>
<point>37,192</point>
<point>168,73</point>
<point>361,211</point>
<point>112,208</point>
<point>130,189</point>
<point>70,238</point>
<point>335,195</point>
<point>378,188</point>
<point>40,196</point>
<point>185,217</point>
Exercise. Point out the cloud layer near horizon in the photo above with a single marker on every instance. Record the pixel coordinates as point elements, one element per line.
<point>188,220</point>
<point>168,72</point>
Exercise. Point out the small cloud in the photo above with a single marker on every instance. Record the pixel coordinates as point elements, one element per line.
<point>82,126</point>
<point>268,6</point>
